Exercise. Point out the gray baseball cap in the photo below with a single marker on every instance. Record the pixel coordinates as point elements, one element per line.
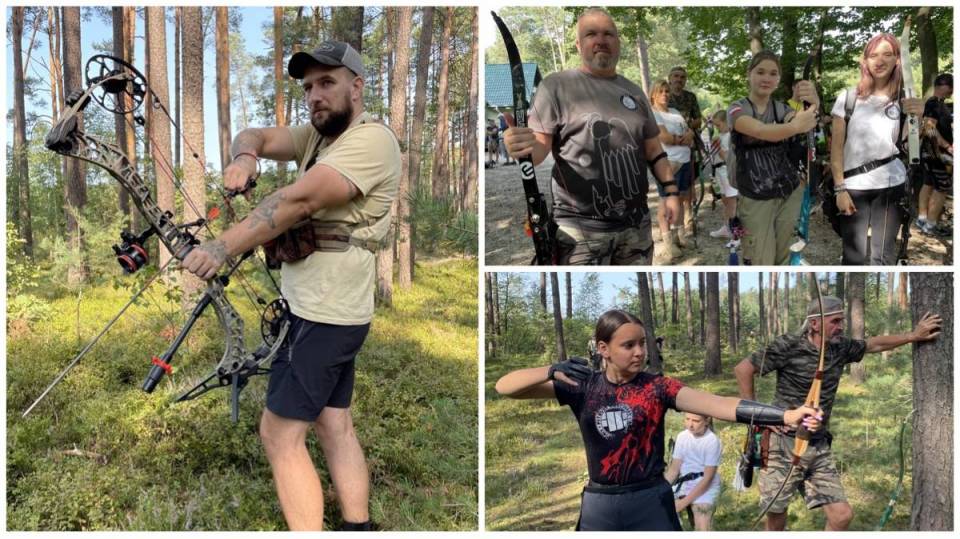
<point>331,53</point>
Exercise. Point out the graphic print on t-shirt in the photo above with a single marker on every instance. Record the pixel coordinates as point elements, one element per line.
<point>621,424</point>
<point>620,167</point>
<point>628,458</point>
<point>612,419</point>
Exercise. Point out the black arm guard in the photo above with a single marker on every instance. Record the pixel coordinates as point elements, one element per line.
<point>653,161</point>
<point>759,413</point>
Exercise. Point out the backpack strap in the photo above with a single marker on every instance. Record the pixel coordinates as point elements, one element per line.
<point>849,103</point>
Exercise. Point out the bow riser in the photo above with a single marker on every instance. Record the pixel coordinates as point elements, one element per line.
<point>538,216</point>
<point>906,69</point>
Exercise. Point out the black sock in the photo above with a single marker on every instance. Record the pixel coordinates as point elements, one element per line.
<point>356,526</point>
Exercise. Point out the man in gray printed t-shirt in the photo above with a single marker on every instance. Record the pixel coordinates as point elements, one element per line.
<point>603,137</point>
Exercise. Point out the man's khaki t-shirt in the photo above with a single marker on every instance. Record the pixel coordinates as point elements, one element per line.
<point>337,287</point>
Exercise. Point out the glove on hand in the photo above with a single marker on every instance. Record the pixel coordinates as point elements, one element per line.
<point>576,368</point>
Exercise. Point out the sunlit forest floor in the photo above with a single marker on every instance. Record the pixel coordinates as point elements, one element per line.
<point>99,454</point>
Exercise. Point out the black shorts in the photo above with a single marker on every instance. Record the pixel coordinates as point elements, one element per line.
<point>314,369</point>
<point>937,175</point>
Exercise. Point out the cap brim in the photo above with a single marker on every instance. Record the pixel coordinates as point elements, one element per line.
<point>299,62</point>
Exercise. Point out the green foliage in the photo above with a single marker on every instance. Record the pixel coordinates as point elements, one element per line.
<point>588,302</point>
<point>441,229</point>
<point>22,273</point>
<point>99,454</point>
<point>714,45</point>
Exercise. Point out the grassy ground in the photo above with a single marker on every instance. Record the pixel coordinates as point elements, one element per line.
<point>99,454</point>
<point>536,467</point>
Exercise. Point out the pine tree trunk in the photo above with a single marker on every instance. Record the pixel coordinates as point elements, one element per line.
<point>786,302</point>
<point>23,218</point>
<point>158,128</point>
<point>279,77</point>
<point>761,312</point>
<point>733,315</point>
<point>120,120</point>
<point>491,307</point>
<point>495,287</point>
<point>222,40</point>
<point>569,296</point>
<point>688,300</point>
<point>711,366</point>
<point>675,296</point>
<point>543,291</point>
<point>933,467</point>
<point>557,317</point>
<point>440,180</point>
<point>74,170</point>
<point>703,304</point>
<point>194,164</point>
<point>420,95</point>
<point>655,362</point>
<point>471,159</point>
<point>398,119</point>
<point>856,301</point>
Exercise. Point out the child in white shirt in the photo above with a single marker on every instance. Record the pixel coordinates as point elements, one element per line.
<point>697,452</point>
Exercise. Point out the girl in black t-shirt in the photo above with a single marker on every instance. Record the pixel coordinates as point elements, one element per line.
<point>767,160</point>
<point>620,411</point>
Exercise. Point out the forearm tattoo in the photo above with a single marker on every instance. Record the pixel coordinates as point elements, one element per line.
<point>265,211</point>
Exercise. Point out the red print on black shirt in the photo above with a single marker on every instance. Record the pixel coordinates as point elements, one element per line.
<point>622,424</point>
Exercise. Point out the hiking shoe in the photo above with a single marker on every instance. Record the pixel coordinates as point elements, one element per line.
<point>722,232</point>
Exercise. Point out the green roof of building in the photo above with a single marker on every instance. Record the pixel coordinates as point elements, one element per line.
<point>498,85</point>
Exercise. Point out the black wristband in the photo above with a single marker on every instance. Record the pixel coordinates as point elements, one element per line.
<point>653,161</point>
<point>759,413</point>
<point>669,194</point>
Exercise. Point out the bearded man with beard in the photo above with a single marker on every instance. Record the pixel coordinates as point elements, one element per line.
<point>795,358</point>
<point>324,228</point>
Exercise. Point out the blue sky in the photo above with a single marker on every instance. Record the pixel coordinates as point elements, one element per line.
<point>611,282</point>
<point>95,30</point>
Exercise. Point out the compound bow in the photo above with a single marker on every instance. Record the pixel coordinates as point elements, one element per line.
<point>120,88</point>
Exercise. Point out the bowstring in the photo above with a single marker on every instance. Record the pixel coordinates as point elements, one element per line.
<point>167,168</point>
<point>156,101</point>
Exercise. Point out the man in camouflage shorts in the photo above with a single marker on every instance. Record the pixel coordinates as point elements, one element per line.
<point>794,358</point>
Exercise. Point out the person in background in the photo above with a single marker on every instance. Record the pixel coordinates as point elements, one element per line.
<point>693,469</point>
<point>936,157</point>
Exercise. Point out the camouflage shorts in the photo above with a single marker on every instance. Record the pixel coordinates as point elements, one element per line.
<point>816,477</point>
<point>632,246</point>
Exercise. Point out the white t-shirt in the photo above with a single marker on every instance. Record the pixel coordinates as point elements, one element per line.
<point>675,125</point>
<point>871,135</point>
<point>721,172</point>
<point>696,453</point>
